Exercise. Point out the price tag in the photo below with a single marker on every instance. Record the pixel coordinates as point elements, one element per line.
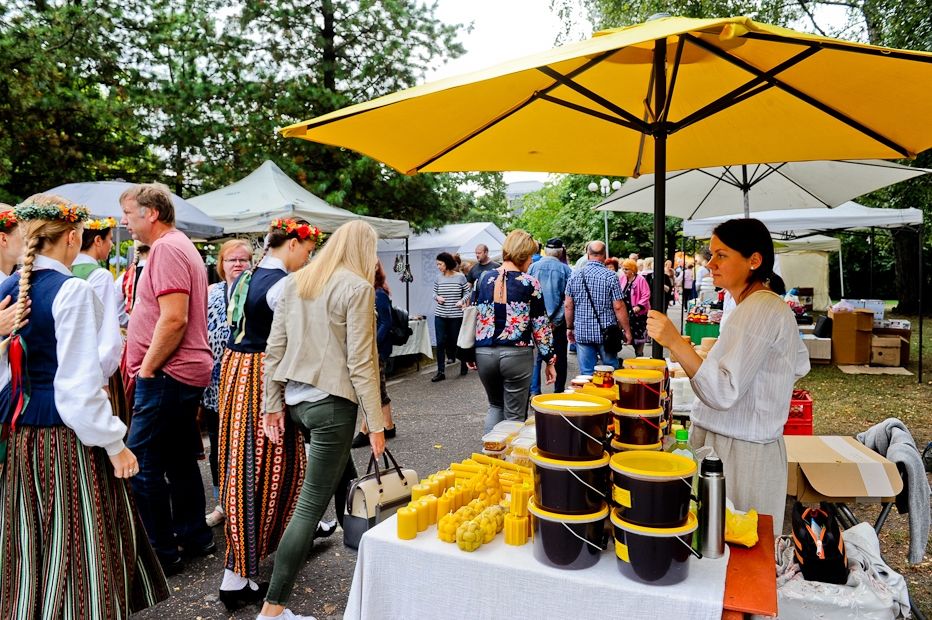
<point>621,550</point>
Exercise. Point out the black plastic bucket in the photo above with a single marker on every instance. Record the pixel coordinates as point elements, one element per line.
<point>570,487</point>
<point>638,427</point>
<point>568,541</point>
<point>638,389</point>
<point>655,556</point>
<point>571,426</point>
<point>652,489</point>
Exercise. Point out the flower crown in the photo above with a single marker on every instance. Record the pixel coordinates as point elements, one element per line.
<point>304,231</point>
<point>105,224</point>
<point>33,211</point>
<point>7,219</point>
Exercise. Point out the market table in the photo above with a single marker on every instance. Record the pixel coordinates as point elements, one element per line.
<point>418,343</point>
<point>428,578</point>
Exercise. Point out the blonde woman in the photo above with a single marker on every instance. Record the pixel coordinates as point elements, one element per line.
<point>321,363</point>
<point>259,483</point>
<point>71,543</point>
<point>511,319</point>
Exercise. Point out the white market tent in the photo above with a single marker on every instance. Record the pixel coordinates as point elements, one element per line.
<point>803,263</point>
<point>422,256</point>
<point>248,206</point>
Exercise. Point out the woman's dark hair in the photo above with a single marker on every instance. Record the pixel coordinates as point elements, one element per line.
<point>87,239</point>
<point>747,236</point>
<point>777,285</point>
<point>379,282</point>
<point>447,260</point>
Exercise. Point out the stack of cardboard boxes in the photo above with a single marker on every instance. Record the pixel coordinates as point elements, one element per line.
<point>864,337</point>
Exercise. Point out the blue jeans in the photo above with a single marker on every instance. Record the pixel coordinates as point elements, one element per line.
<point>559,347</point>
<point>589,354</point>
<point>161,436</point>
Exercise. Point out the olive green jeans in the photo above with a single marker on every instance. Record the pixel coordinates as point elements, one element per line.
<point>332,426</point>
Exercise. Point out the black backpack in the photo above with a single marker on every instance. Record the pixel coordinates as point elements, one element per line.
<point>400,331</point>
<point>820,549</point>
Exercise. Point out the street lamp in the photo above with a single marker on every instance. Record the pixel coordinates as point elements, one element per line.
<point>603,186</point>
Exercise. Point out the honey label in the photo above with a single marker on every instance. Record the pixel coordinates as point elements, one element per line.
<point>621,550</point>
<point>621,496</point>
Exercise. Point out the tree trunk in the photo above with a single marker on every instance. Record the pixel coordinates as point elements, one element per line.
<point>328,53</point>
<point>906,261</point>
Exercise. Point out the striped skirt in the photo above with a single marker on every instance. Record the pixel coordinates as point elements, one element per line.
<point>71,543</point>
<point>259,481</point>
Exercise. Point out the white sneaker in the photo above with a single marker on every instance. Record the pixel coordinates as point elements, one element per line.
<point>285,615</point>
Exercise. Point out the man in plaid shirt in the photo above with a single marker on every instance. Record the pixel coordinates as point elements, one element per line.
<point>607,299</point>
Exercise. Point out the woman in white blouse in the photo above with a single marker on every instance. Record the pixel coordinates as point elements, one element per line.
<point>743,388</point>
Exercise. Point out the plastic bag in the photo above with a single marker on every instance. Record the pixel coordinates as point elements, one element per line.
<point>741,529</point>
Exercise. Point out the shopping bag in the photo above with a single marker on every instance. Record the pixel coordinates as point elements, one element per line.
<point>375,497</point>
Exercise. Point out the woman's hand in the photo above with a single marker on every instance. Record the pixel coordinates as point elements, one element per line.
<point>472,366</point>
<point>377,442</point>
<point>124,464</point>
<point>8,314</point>
<point>661,329</point>
<point>550,371</point>
<point>441,300</point>
<point>273,425</point>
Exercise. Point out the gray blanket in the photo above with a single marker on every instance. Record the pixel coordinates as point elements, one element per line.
<point>893,440</point>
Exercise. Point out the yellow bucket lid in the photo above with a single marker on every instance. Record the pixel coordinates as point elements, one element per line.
<point>645,362</point>
<point>538,459</point>
<point>562,518</point>
<point>635,413</point>
<point>690,526</point>
<point>617,445</point>
<point>571,404</point>
<point>635,375</point>
<point>653,465</point>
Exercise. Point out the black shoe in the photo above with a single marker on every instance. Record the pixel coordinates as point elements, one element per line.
<point>199,552</point>
<point>438,377</point>
<point>325,529</point>
<point>361,439</point>
<point>390,433</point>
<point>234,599</point>
<point>463,369</point>
<point>171,567</point>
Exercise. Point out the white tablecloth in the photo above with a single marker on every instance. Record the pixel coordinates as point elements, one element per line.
<point>419,342</point>
<point>428,578</point>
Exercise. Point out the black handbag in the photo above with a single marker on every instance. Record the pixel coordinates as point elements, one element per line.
<point>823,327</point>
<point>613,339</point>
<point>372,498</point>
<point>820,549</point>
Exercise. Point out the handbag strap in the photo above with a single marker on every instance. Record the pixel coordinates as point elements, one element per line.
<point>589,295</point>
<point>378,475</point>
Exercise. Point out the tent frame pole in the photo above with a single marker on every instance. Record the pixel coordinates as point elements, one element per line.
<point>660,176</point>
<point>407,284</point>
<point>921,286</point>
<point>870,244</point>
<point>683,287</point>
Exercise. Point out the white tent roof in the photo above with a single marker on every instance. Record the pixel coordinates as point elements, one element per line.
<point>455,238</point>
<point>847,216</point>
<point>268,193</point>
<point>815,243</point>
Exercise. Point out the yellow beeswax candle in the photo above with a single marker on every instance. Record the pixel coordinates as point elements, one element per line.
<point>458,498</point>
<point>407,523</point>
<point>421,510</point>
<point>520,494</point>
<point>434,485</point>
<point>450,478</point>
<point>444,505</point>
<point>515,530</point>
<point>431,508</point>
<point>418,491</point>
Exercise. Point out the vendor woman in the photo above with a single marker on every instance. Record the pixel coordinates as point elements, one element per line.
<point>743,388</point>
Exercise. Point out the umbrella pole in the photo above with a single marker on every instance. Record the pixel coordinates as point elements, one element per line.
<point>605,219</point>
<point>683,287</point>
<point>660,176</point>
<point>746,189</point>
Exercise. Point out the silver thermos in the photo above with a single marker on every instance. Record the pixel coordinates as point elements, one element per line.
<point>711,530</point>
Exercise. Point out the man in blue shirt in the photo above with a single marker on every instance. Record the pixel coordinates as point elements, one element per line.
<point>588,313</point>
<point>553,274</point>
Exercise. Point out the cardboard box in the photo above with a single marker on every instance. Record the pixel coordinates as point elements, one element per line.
<point>838,469</point>
<point>851,336</point>
<point>876,306</point>
<point>885,350</point>
<point>806,329</point>
<point>857,303</point>
<point>820,349</point>
<point>905,336</point>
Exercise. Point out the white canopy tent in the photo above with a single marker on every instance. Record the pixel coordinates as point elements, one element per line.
<point>803,263</point>
<point>248,206</point>
<point>422,251</point>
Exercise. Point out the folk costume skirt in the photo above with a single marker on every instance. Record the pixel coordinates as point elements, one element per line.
<point>259,481</point>
<point>72,545</point>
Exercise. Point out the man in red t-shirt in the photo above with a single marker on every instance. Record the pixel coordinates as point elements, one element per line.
<point>168,355</point>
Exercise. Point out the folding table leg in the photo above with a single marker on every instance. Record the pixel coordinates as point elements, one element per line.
<point>883,517</point>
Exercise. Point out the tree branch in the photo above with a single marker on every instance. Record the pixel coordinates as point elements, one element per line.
<point>806,10</point>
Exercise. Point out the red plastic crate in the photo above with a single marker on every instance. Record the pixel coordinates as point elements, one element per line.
<point>799,421</point>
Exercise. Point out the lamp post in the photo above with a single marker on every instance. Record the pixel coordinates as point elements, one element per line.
<point>603,187</point>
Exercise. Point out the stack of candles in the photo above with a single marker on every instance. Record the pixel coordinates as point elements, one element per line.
<point>430,500</point>
<point>516,521</point>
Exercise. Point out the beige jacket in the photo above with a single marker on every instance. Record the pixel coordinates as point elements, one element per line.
<point>329,343</point>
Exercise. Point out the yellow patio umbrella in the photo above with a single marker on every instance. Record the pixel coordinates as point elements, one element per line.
<point>670,94</point>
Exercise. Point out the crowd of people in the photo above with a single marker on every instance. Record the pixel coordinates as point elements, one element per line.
<point>101,495</point>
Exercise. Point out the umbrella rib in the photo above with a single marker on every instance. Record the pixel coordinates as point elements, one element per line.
<point>769,171</point>
<point>602,101</point>
<point>721,177</point>
<point>755,86</point>
<point>802,188</point>
<point>584,110</point>
<point>841,47</point>
<point>646,188</point>
<point>795,92</point>
<point>676,69</point>
<point>706,197</point>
